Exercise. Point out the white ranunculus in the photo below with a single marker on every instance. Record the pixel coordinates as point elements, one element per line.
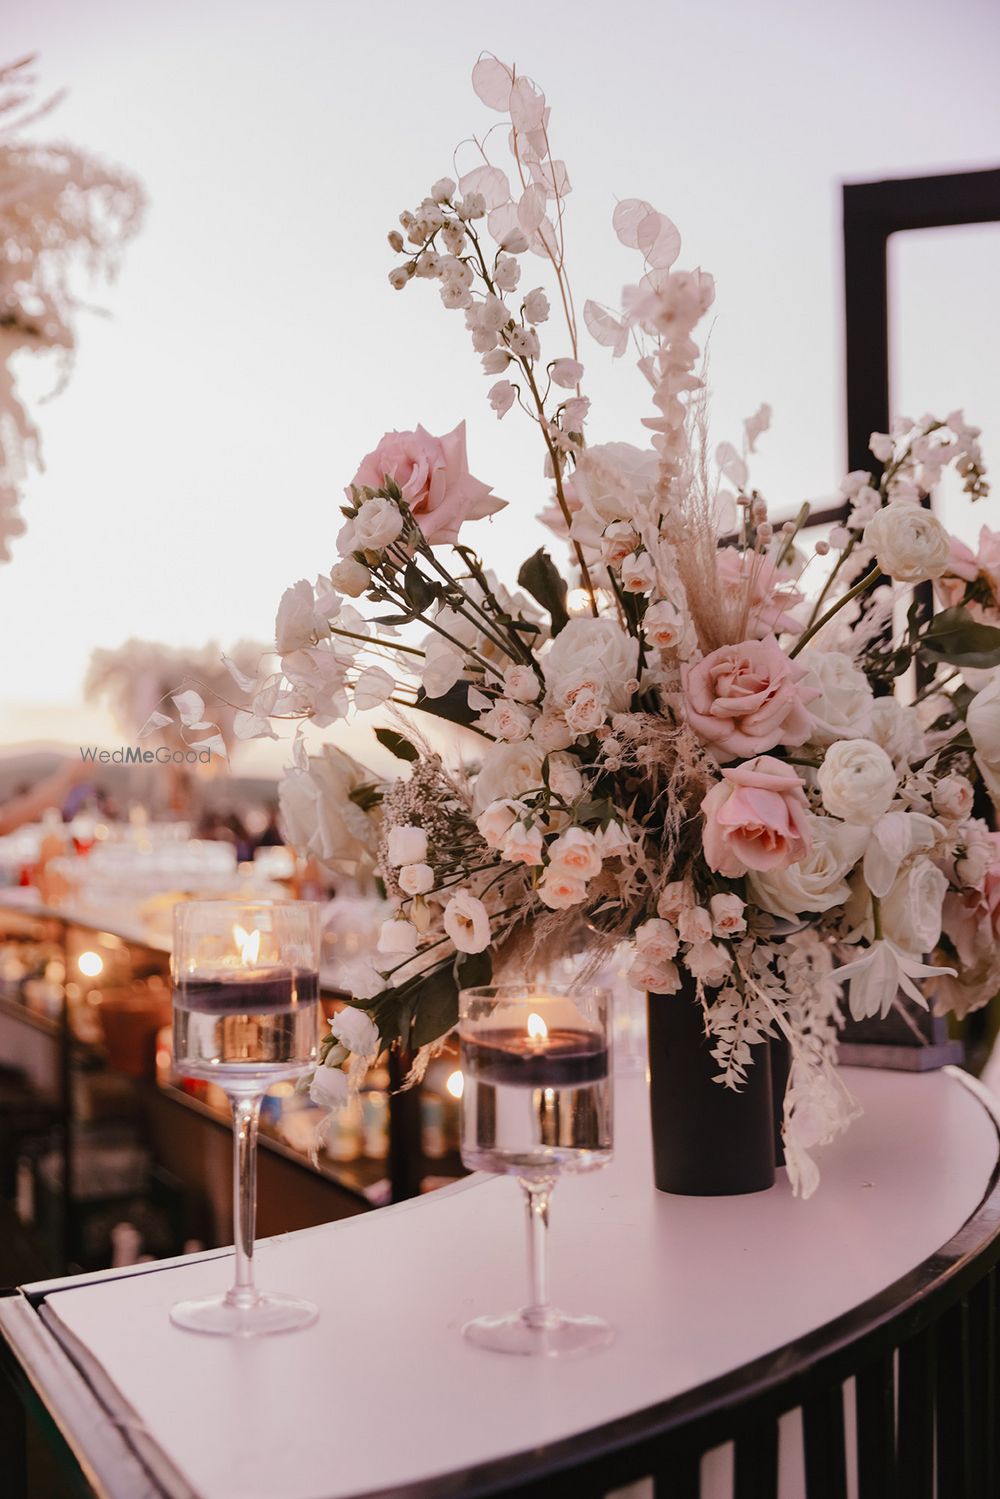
<point>329,1088</point>
<point>508,771</point>
<point>407,845</point>
<point>356,1030</point>
<point>857,780</point>
<point>818,882</point>
<point>351,577</point>
<point>376,526</point>
<point>415,879</point>
<point>911,912</point>
<point>910,544</point>
<point>317,813</point>
<point>398,937</point>
<point>983,721</point>
<point>843,708</point>
<point>467,922</point>
<point>590,659</point>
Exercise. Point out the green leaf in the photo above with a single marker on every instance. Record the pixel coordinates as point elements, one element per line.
<point>435,1008</point>
<point>452,705</point>
<point>397,744</point>
<point>473,970</point>
<point>420,592</point>
<point>954,637</point>
<point>542,579</point>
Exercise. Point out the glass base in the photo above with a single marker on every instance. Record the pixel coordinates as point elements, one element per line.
<point>554,1337</point>
<point>270,1312</point>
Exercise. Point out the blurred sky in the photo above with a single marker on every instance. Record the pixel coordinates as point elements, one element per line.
<point>255,350</point>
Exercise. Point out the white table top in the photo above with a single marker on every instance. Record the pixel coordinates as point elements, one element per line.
<point>384,1391</point>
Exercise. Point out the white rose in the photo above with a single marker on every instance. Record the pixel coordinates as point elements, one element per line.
<point>467,923</point>
<point>910,544</point>
<point>586,708</point>
<point>952,798</point>
<point>508,770</point>
<point>663,626</point>
<point>523,845</point>
<point>818,882</point>
<point>983,722</point>
<point>857,780</point>
<point>564,777</point>
<point>575,853</point>
<point>398,937</point>
<point>356,1030</point>
<point>618,542</point>
<point>560,889</point>
<point>350,577</point>
<point>496,821</point>
<point>506,720</point>
<point>611,482</point>
<point>520,684</point>
<point>329,1088</point>
<point>842,709</point>
<point>977,853</point>
<point>638,573</point>
<point>728,919</point>
<point>656,940</point>
<point>695,924</point>
<point>407,845</point>
<point>591,658</point>
<point>911,912</point>
<point>415,879</point>
<point>897,730</point>
<point>376,526</point>
<point>710,962</point>
<point>675,897</point>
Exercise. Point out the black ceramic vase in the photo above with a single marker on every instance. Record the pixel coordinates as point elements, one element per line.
<point>708,1141</point>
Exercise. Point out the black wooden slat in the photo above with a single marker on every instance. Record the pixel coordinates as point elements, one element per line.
<point>678,1477</point>
<point>916,1417</point>
<point>954,1415</point>
<point>826,1458</point>
<point>984,1413</point>
<point>757,1461</point>
<point>13,1430</point>
<point>875,1411</point>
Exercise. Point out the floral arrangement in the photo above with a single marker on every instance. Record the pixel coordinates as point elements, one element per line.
<point>690,736</point>
<point>59,209</point>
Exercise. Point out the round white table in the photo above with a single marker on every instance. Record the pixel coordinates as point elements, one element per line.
<point>714,1301</point>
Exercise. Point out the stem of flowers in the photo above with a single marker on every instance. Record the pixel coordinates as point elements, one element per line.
<point>936,685</point>
<point>852,593</point>
<point>830,580</point>
<point>387,645</point>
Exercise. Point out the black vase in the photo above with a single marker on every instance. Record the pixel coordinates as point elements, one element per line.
<point>708,1141</point>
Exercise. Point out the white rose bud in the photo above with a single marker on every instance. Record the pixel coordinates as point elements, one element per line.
<point>407,845</point>
<point>350,577</point>
<point>561,889</point>
<point>466,922</point>
<point>415,879</point>
<point>575,853</point>
<point>728,919</point>
<point>656,940</point>
<point>398,938</point>
<point>857,781</point>
<point>910,544</point>
<point>496,822</point>
<point>356,1030</point>
<point>952,798</point>
<point>709,962</point>
<point>695,924</point>
<point>523,845</point>
<point>329,1088</point>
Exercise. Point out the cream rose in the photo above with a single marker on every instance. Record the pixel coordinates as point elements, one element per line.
<point>351,577</point>
<point>575,853</point>
<point>656,940</point>
<point>910,544</point>
<point>398,938</point>
<point>497,820</point>
<point>356,1030</point>
<point>560,889</point>
<point>857,781</point>
<point>376,526</point>
<point>911,912</point>
<point>415,879</point>
<point>817,882</point>
<point>842,708</point>
<point>589,667</point>
<point>407,845</point>
<point>523,845</point>
<point>508,771</point>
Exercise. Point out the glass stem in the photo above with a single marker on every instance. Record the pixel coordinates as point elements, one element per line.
<point>246,1111</point>
<point>538,1313</point>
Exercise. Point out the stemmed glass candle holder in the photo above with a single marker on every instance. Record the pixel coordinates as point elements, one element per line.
<point>536,1101</point>
<point>246,1015</point>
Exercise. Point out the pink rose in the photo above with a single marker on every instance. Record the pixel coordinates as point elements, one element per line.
<point>433,475</point>
<point>743,699</point>
<point>756,818</point>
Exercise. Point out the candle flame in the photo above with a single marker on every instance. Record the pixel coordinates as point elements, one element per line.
<point>248,944</point>
<point>537,1029</point>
